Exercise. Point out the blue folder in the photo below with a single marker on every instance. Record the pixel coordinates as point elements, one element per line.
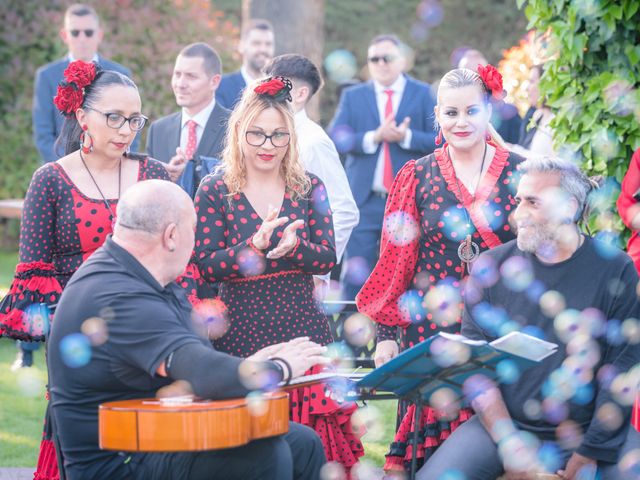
<point>423,369</point>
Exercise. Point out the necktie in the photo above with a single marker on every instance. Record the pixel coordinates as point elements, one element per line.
<point>192,139</point>
<point>387,178</point>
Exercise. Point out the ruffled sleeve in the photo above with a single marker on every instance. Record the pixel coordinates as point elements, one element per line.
<point>392,275</point>
<point>628,207</point>
<point>24,312</point>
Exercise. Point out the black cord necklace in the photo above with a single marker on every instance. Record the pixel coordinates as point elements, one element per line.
<point>104,199</point>
<point>468,250</point>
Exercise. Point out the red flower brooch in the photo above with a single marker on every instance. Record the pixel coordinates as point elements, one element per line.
<point>70,94</point>
<point>278,88</point>
<point>492,80</point>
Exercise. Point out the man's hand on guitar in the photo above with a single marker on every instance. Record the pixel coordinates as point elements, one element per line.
<point>301,353</point>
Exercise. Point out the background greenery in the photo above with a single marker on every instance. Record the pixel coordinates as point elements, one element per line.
<point>592,83</point>
<point>146,35</point>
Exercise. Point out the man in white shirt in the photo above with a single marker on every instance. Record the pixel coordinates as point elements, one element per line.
<point>256,46</point>
<point>190,141</point>
<point>386,122</point>
<point>317,151</point>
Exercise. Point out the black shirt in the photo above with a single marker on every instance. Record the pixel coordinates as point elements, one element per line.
<point>595,277</point>
<point>144,323</point>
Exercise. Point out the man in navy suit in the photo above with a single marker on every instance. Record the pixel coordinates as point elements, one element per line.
<point>257,48</point>
<point>82,34</point>
<point>388,121</point>
<point>190,141</point>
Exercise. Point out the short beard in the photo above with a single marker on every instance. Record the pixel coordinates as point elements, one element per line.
<point>542,239</point>
<point>258,65</point>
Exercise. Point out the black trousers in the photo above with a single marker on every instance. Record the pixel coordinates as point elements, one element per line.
<point>297,455</point>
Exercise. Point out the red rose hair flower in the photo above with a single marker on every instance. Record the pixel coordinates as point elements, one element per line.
<point>70,94</point>
<point>278,88</point>
<point>68,99</point>
<point>80,73</point>
<point>492,79</point>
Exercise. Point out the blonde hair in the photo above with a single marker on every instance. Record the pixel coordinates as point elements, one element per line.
<point>234,170</point>
<point>464,77</point>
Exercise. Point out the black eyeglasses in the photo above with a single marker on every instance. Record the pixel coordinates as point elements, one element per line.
<point>383,58</point>
<point>115,120</point>
<point>278,139</point>
<point>88,32</point>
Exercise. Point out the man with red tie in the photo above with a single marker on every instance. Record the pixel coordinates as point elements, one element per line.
<point>380,124</point>
<point>190,141</point>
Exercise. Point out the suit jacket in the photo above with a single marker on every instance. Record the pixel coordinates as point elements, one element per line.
<point>47,119</point>
<point>230,89</point>
<point>358,111</point>
<point>164,138</point>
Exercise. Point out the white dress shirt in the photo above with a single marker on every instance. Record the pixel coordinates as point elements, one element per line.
<point>368,144</point>
<point>201,118</point>
<point>319,156</point>
<point>246,75</point>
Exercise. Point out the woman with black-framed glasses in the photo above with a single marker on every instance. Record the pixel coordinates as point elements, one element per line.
<point>264,229</point>
<point>70,205</point>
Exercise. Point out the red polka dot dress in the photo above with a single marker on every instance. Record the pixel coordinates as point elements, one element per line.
<point>272,300</point>
<point>419,270</point>
<point>61,228</point>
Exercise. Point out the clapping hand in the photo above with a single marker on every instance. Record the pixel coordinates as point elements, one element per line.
<point>261,238</point>
<point>176,165</point>
<point>288,241</point>
<point>391,132</point>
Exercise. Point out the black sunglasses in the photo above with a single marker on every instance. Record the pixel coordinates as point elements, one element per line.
<point>383,58</point>
<point>88,32</point>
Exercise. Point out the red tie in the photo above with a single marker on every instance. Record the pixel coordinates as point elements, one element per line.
<point>387,178</point>
<point>192,140</point>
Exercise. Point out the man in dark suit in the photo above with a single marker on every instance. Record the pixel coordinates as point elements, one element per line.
<point>388,121</point>
<point>257,48</point>
<point>82,34</point>
<point>190,141</point>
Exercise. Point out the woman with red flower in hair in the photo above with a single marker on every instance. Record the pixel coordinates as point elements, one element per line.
<point>70,204</point>
<point>264,229</point>
<point>442,212</point>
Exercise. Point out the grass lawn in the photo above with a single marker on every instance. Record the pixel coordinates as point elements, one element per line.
<point>22,403</point>
<point>22,407</point>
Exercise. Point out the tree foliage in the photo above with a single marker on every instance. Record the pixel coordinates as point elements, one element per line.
<point>592,79</point>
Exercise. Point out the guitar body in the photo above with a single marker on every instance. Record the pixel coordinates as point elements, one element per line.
<point>151,425</point>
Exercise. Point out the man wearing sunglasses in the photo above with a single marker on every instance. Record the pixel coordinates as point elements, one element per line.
<point>381,125</point>
<point>82,34</point>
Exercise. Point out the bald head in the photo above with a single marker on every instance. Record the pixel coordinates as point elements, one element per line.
<point>151,205</point>
<point>156,224</point>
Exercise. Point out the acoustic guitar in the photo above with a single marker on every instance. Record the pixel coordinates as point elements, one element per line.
<point>184,424</point>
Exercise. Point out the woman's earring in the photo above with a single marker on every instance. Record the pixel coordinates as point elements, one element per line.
<point>83,136</point>
<point>439,137</point>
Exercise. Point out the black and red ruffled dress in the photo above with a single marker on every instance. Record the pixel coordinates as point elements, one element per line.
<point>61,227</point>
<point>271,301</point>
<point>425,221</point>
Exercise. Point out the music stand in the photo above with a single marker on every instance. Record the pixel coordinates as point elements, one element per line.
<point>418,372</point>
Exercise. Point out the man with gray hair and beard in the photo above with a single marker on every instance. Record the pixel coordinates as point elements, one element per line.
<point>131,325</point>
<point>568,414</point>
